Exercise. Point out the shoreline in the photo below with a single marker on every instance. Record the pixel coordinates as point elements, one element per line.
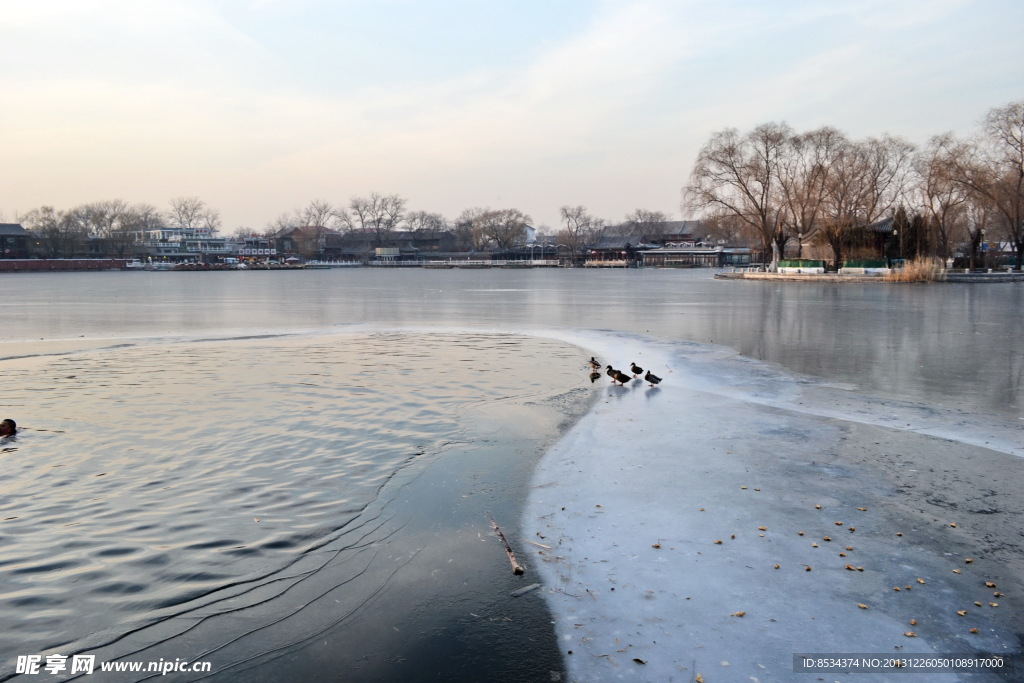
<point>1012,276</point>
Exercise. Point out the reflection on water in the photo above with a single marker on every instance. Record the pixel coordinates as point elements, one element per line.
<point>947,343</point>
<point>162,484</point>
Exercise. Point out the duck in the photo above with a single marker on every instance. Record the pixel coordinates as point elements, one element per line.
<point>618,376</point>
<point>594,364</point>
<point>636,369</point>
<point>652,378</point>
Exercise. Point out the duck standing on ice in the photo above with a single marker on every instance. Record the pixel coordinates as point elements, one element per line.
<point>652,378</point>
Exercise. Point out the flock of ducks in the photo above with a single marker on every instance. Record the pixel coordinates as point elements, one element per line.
<point>618,376</point>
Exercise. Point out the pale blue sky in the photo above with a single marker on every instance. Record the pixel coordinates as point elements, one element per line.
<point>259,106</point>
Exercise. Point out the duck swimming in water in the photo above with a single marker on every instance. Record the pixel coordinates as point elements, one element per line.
<point>636,369</point>
<point>652,378</point>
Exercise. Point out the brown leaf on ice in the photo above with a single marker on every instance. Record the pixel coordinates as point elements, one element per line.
<point>737,614</point>
<point>762,528</point>
<point>732,536</point>
<point>814,545</point>
<point>910,634</point>
<point>899,533</point>
<point>862,605</point>
<point>977,604</point>
<point>953,524</point>
<point>638,660</point>
<point>842,554</point>
<point>839,523</point>
<point>913,622</point>
<point>776,566</point>
<point>799,533</point>
<point>974,630</point>
<point>956,571</point>
<point>807,568</point>
<point>920,580</point>
<point>850,568</point>
<point>656,545</point>
<point>863,509</point>
<point>993,604</point>
<point>852,529</point>
<point>849,547</point>
<point>698,679</point>
<point>989,584</point>
<point>997,594</point>
<point>718,541</point>
<point>896,588</point>
<point>969,560</point>
<point>860,569</point>
<point>817,507</point>
<point>744,488</point>
<point>826,538</point>
<point>961,612</point>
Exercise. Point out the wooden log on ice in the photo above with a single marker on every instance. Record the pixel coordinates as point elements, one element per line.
<point>517,568</point>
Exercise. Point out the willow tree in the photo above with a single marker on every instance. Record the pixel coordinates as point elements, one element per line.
<point>581,228</point>
<point>738,175</point>
<point>996,170</point>
<point>940,193</point>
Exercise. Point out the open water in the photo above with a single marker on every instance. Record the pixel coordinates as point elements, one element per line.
<point>293,472</point>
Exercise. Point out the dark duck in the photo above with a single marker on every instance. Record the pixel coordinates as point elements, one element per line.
<point>652,379</point>
<point>618,376</point>
<point>636,369</point>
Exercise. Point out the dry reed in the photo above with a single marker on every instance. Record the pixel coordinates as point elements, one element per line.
<point>918,269</point>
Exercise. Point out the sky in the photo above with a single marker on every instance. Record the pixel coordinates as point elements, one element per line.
<point>260,106</point>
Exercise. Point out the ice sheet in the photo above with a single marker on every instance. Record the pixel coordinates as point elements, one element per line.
<point>700,526</point>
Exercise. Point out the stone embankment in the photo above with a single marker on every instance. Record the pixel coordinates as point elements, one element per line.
<point>1001,276</point>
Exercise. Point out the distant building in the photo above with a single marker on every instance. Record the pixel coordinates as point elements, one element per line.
<point>180,244</point>
<point>14,241</point>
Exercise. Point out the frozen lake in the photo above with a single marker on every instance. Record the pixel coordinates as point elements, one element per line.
<point>246,378</point>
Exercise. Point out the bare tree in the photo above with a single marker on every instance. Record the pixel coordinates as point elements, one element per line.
<point>995,170</point>
<point>60,232</point>
<point>581,229</point>
<point>191,214</point>
<point>649,225</point>
<point>465,237</point>
<point>111,221</point>
<point>942,197</point>
<point>803,173</point>
<point>318,213</point>
<point>864,181</point>
<point>424,223</point>
<point>505,228</point>
<point>377,215</point>
<point>739,175</point>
